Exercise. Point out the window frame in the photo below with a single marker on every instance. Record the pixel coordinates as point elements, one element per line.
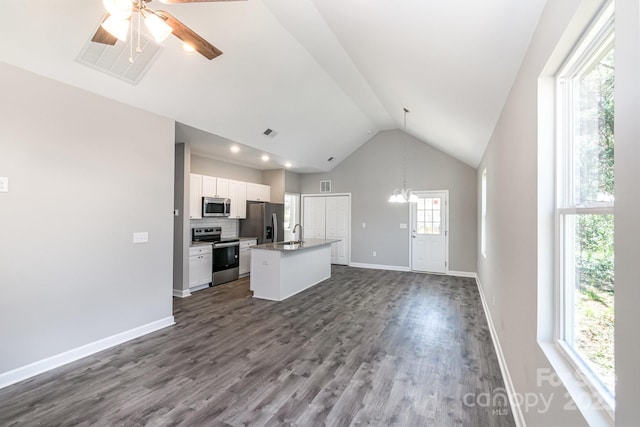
<point>597,40</point>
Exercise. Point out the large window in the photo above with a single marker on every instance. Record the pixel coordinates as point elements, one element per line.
<point>585,207</point>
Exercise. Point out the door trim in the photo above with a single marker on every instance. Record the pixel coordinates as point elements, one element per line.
<point>446,237</point>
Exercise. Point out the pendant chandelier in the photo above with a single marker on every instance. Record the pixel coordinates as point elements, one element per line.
<point>404,194</point>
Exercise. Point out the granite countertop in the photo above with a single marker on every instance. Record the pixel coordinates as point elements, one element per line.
<point>288,247</point>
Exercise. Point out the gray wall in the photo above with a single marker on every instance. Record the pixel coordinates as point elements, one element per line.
<point>374,170</point>
<point>217,168</point>
<point>517,274</point>
<point>291,182</point>
<point>181,222</point>
<point>275,179</point>
<point>85,173</point>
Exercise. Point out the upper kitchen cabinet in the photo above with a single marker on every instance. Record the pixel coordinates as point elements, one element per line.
<point>258,192</point>
<point>195,196</point>
<point>238,196</point>
<point>222,185</point>
<point>215,187</point>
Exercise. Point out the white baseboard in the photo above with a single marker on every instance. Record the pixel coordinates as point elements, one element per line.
<point>35,368</point>
<point>508,384</point>
<point>379,266</point>
<point>462,274</point>
<point>181,294</point>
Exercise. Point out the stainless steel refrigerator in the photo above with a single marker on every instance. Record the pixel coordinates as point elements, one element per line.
<point>264,221</point>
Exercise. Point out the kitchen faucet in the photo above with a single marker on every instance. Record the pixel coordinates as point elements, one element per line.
<point>294,231</point>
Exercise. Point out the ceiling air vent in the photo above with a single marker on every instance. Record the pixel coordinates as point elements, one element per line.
<point>114,60</point>
<point>270,133</point>
<point>325,186</point>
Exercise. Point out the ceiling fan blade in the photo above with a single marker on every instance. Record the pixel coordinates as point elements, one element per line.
<point>103,36</point>
<point>188,36</point>
<point>194,1</point>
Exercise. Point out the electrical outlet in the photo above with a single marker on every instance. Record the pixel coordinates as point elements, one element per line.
<point>176,212</point>
<point>364,225</point>
<point>4,184</point>
<point>493,300</point>
<point>141,237</point>
<point>374,253</point>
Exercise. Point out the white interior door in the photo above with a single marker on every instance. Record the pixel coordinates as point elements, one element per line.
<point>429,232</point>
<point>314,218</point>
<point>337,227</point>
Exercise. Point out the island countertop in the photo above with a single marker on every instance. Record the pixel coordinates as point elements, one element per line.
<point>290,246</point>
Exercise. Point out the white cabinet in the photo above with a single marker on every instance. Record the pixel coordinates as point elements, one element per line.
<point>215,187</point>
<point>258,192</point>
<point>209,186</point>
<point>222,188</point>
<point>200,266</point>
<point>237,191</point>
<point>245,256</point>
<point>195,196</point>
<point>238,196</point>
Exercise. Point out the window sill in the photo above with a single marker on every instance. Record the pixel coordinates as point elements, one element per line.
<point>596,410</point>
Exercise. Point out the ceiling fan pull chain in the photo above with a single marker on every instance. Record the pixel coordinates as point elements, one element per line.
<point>138,48</point>
<point>130,43</point>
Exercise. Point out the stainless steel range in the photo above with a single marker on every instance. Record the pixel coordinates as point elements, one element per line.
<point>226,253</point>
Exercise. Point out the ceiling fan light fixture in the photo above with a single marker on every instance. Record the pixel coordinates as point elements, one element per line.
<point>159,29</point>
<point>117,27</point>
<point>119,8</point>
<point>187,47</point>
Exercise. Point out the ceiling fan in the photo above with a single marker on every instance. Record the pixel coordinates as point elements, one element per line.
<point>117,24</point>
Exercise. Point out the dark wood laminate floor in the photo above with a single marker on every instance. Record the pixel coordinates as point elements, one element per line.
<point>366,347</point>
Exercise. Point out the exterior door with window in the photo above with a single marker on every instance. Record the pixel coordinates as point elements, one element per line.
<point>429,232</point>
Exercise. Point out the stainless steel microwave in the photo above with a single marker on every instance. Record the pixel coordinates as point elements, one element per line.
<point>213,206</point>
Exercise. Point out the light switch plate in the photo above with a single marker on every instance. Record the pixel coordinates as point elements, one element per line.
<point>4,184</point>
<point>141,237</point>
<point>403,226</point>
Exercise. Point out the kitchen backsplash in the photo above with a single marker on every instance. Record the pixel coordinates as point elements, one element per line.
<point>229,226</point>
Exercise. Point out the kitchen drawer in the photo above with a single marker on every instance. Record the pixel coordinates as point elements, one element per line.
<point>200,250</point>
<point>247,243</point>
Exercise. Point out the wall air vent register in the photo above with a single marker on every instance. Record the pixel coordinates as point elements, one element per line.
<point>325,186</point>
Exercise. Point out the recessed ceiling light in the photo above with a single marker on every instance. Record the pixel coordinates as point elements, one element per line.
<point>235,149</point>
<point>287,165</point>
<point>265,158</point>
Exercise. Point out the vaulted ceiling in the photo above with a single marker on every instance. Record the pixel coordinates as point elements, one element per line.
<point>325,75</point>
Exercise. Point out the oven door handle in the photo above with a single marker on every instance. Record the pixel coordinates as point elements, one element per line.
<point>225,245</point>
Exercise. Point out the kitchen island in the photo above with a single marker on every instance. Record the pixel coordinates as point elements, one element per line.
<point>282,269</point>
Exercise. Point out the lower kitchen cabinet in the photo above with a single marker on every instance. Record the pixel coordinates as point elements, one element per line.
<point>200,266</point>
<point>245,256</point>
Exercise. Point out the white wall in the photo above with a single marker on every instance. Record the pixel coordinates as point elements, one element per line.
<point>515,275</point>
<point>212,167</point>
<point>85,173</point>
